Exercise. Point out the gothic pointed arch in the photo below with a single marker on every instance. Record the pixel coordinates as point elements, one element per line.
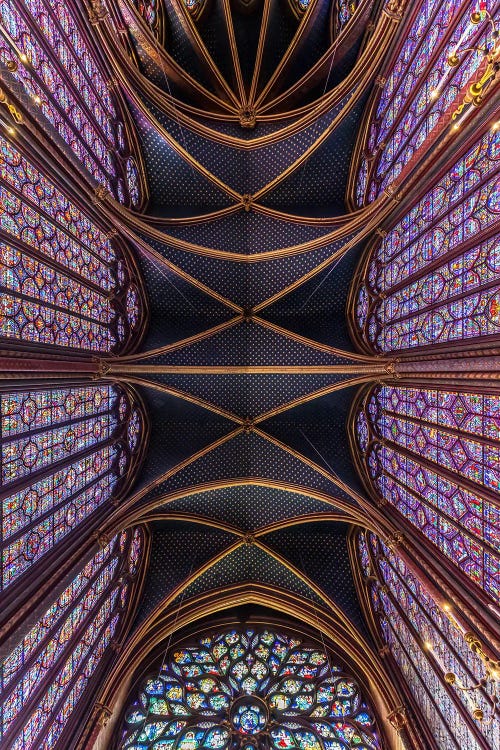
<point>248,688</point>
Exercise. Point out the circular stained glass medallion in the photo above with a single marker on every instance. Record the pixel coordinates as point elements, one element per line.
<point>242,690</point>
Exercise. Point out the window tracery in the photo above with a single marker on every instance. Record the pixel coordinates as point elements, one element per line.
<point>419,89</point>
<point>249,689</point>
<point>433,455</point>
<point>425,641</point>
<point>344,11</point>
<point>62,280</point>
<point>152,12</point>
<point>433,278</point>
<point>195,7</point>
<point>46,675</point>
<point>44,52</point>
<point>64,453</point>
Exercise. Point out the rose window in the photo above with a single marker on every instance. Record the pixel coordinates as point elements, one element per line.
<point>249,690</point>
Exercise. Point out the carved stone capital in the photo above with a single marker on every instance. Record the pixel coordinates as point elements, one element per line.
<point>390,191</point>
<point>397,718</point>
<point>103,713</point>
<point>396,540</point>
<point>101,538</point>
<point>101,193</point>
<point>395,8</point>
<point>97,11</point>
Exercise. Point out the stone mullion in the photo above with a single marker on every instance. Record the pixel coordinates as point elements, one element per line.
<point>417,638</point>
<point>487,177</point>
<point>413,545</point>
<point>443,427</point>
<point>44,471</point>
<point>63,616</point>
<point>47,260</point>
<point>17,725</point>
<point>57,225</point>
<point>427,616</point>
<point>403,30</point>
<point>458,479</point>
<point>430,66</point>
<point>40,38</point>
<point>53,510</point>
<point>468,244</point>
<point>459,706</point>
<point>409,730</point>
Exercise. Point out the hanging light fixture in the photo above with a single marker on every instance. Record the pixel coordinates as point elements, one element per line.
<point>487,685</point>
<point>487,72</point>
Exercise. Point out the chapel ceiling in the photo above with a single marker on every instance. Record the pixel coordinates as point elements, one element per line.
<point>247,115</point>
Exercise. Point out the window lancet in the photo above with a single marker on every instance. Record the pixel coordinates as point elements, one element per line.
<point>62,280</point>
<point>420,88</point>
<point>153,13</point>
<point>44,679</point>
<point>344,11</point>
<point>64,453</point>
<point>426,641</point>
<point>433,455</point>
<point>44,52</point>
<point>433,279</point>
<point>248,690</point>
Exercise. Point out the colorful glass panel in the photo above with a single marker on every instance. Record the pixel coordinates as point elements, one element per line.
<point>432,280</point>
<point>57,68</point>
<point>64,452</point>
<point>433,454</point>
<point>426,642</point>
<point>45,676</point>
<point>151,11</point>
<point>345,9</point>
<point>234,689</point>
<point>420,88</point>
<point>59,280</point>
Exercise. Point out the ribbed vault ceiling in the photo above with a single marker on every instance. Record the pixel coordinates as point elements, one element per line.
<point>247,371</point>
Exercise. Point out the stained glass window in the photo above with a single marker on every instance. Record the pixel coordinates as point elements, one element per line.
<point>152,12</point>
<point>433,455</point>
<point>62,281</point>
<point>434,278</point>
<point>45,54</point>
<point>43,680</point>
<point>250,689</point>
<point>426,642</point>
<point>344,10</point>
<point>194,6</point>
<point>301,5</point>
<point>420,87</point>
<point>65,452</point>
